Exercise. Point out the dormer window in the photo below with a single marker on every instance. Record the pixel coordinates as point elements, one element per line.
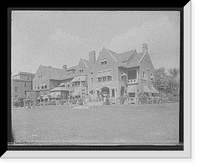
<point>81,70</point>
<point>152,77</point>
<point>143,74</point>
<point>103,61</point>
<point>40,76</point>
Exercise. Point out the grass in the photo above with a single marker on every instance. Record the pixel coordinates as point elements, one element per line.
<point>131,124</point>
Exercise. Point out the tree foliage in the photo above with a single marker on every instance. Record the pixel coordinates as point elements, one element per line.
<point>167,82</point>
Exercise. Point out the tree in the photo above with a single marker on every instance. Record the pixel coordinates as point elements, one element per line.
<point>167,83</point>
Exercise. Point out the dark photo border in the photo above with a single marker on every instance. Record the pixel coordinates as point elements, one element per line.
<point>179,147</point>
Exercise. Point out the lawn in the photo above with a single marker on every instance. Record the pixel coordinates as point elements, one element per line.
<point>131,124</point>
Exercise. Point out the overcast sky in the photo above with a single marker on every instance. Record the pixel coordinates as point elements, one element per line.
<point>55,38</point>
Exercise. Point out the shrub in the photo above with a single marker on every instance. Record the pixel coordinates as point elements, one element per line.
<point>142,98</point>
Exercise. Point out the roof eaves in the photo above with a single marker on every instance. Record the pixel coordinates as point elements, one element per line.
<point>111,54</point>
<point>85,63</point>
<point>142,56</point>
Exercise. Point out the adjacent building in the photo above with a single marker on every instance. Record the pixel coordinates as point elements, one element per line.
<point>21,83</point>
<point>110,74</point>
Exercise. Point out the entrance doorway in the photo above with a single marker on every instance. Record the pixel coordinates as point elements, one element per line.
<point>105,91</point>
<point>122,91</point>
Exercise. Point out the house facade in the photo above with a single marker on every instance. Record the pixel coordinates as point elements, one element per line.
<point>21,83</point>
<point>110,74</point>
<point>116,75</point>
<point>74,79</point>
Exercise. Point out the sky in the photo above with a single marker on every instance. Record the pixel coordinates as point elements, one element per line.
<point>57,38</point>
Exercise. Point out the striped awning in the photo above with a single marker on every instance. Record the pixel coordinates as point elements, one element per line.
<point>146,89</point>
<point>124,74</point>
<point>59,89</point>
<point>63,84</point>
<point>132,88</point>
<point>153,90</point>
<point>79,78</point>
<point>45,97</point>
<point>55,94</point>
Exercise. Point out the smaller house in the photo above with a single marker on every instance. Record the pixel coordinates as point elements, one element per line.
<point>46,78</point>
<point>32,96</point>
<point>20,84</point>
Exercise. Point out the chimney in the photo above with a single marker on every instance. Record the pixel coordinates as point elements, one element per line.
<point>144,47</point>
<point>64,67</point>
<point>92,58</point>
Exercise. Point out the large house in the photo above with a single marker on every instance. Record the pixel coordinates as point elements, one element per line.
<point>110,74</point>
<point>21,83</point>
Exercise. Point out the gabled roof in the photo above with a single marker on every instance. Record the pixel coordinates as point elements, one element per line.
<point>54,73</point>
<point>121,57</point>
<point>115,55</point>
<point>24,73</point>
<point>126,55</point>
<point>65,74</point>
<point>86,62</point>
<point>135,61</point>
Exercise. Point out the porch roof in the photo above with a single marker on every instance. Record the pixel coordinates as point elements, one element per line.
<point>146,89</point>
<point>132,88</point>
<point>153,90</point>
<point>79,78</point>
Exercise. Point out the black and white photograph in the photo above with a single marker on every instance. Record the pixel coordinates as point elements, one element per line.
<point>97,78</point>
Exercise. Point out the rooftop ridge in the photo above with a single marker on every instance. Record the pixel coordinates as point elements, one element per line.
<point>51,67</point>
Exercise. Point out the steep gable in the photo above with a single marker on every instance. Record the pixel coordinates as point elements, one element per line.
<point>123,57</point>
<point>126,55</point>
<point>105,54</point>
<point>53,73</point>
<point>135,61</point>
<point>82,65</point>
<point>86,63</point>
<point>146,60</point>
<point>115,55</point>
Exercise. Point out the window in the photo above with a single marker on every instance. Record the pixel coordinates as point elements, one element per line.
<point>132,94</point>
<point>81,70</point>
<point>91,79</point>
<point>152,77</point>
<point>16,89</point>
<point>42,87</point>
<point>16,95</point>
<point>143,74</point>
<point>28,78</point>
<point>25,84</point>
<point>25,92</point>
<point>109,78</point>
<point>123,77</point>
<point>132,74</point>
<point>103,61</point>
<point>104,79</point>
<point>45,86</point>
<point>77,84</point>
<point>99,79</point>
<point>38,87</point>
<point>113,92</point>
<point>40,76</point>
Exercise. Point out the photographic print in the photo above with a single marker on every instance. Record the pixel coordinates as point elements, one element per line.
<point>96,79</point>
